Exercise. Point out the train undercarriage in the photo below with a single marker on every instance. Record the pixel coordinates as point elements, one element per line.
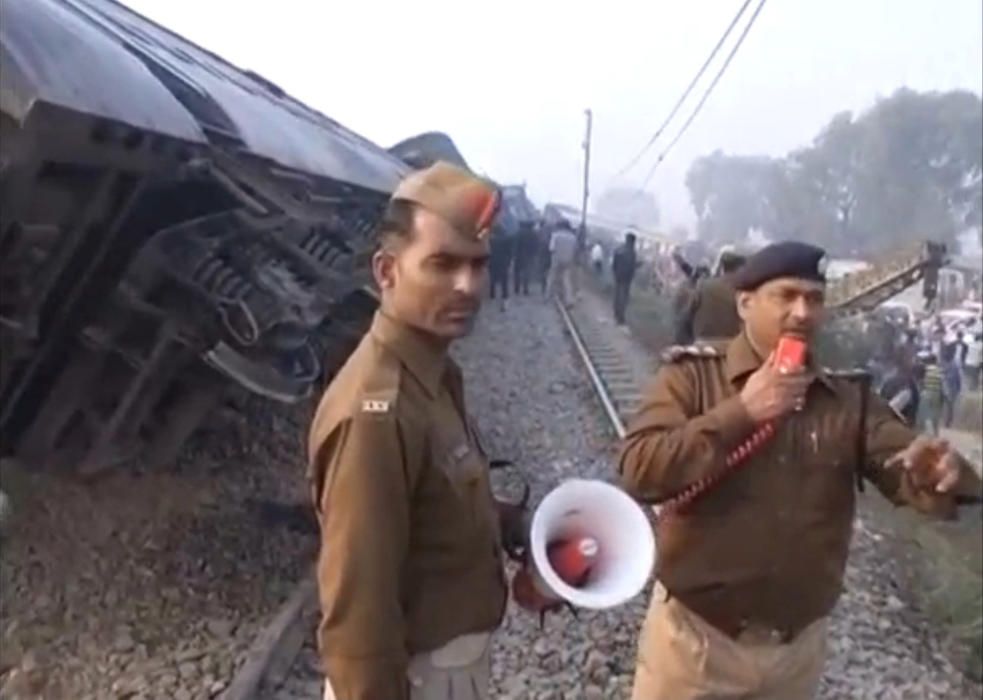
<point>157,249</point>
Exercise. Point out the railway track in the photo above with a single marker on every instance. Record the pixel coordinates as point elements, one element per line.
<point>614,380</point>
<point>282,663</point>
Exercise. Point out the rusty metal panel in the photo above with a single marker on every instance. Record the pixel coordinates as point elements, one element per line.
<point>268,122</point>
<point>50,54</point>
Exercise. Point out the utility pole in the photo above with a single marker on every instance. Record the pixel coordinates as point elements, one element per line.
<point>582,237</point>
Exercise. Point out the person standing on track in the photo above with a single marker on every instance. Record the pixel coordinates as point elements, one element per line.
<point>524,257</point>
<point>624,262</point>
<point>749,571</point>
<point>563,251</point>
<point>410,572</point>
<point>502,251</point>
<point>597,260</point>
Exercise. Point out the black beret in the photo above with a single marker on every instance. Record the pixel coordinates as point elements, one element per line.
<point>784,259</point>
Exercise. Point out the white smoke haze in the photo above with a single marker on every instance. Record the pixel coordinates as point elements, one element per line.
<point>509,81</point>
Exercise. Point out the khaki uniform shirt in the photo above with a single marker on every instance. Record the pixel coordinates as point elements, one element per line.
<point>682,312</point>
<point>714,310</point>
<point>768,544</point>
<point>563,247</point>
<point>410,545</point>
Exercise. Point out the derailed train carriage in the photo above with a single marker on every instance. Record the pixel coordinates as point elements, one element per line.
<point>168,224</point>
<point>423,150</point>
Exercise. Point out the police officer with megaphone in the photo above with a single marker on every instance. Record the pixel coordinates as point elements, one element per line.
<point>749,570</point>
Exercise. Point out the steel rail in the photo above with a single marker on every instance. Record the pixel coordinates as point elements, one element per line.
<point>600,388</point>
<point>276,645</point>
<point>607,404</point>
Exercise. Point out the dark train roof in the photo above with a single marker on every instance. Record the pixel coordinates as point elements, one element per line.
<point>423,150</point>
<point>100,58</point>
<point>516,198</point>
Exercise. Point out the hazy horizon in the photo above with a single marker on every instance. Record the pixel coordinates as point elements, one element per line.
<point>510,87</point>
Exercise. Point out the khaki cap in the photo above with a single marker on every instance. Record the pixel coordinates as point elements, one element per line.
<point>466,202</point>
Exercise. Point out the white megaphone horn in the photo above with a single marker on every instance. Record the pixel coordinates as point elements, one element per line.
<point>605,535</point>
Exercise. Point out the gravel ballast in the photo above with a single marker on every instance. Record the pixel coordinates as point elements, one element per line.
<point>153,585</point>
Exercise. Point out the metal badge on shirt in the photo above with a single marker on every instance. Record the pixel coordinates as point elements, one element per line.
<point>375,406</point>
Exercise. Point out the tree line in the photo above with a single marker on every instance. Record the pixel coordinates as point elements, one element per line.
<point>906,170</point>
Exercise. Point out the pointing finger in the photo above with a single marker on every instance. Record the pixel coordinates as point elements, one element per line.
<point>948,481</point>
<point>901,459</point>
<point>946,470</point>
<point>914,454</point>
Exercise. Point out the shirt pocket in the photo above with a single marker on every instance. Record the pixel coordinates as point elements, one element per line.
<point>468,471</point>
<point>828,455</point>
<point>460,462</point>
<point>443,523</point>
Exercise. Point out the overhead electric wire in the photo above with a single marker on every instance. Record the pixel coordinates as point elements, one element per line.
<point>689,89</point>
<point>706,94</point>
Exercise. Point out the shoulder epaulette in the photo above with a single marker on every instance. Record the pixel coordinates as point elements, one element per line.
<point>674,353</point>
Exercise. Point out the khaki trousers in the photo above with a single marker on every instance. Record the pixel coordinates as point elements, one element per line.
<point>459,670</point>
<point>561,280</point>
<point>683,657</point>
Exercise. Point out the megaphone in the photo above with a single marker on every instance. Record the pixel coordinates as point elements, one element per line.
<point>590,546</point>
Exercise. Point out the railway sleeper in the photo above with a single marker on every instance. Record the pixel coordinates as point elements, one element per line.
<point>632,400</point>
<point>615,371</point>
<point>620,382</point>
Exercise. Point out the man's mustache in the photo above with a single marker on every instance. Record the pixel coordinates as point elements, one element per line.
<point>462,306</point>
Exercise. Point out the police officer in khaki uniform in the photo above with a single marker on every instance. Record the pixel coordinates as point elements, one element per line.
<point>410,571</point>
<point>748,572</point>
<point>713,309</point>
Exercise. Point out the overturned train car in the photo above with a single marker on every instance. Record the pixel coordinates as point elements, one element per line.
<point>168,224</point>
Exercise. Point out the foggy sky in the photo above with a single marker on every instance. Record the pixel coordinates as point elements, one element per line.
<point>509,80</point>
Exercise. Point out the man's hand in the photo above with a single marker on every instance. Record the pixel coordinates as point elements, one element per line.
<point>930,464</point>
<point>770,393</point>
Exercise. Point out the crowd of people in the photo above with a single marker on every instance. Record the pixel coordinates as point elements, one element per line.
<point>549,256</point>
<point>923,368</point>
<point>533,255</point>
